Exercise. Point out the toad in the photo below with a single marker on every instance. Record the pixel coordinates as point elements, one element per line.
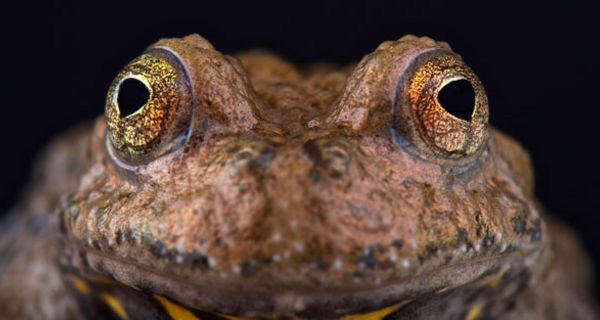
<point>243,187</point>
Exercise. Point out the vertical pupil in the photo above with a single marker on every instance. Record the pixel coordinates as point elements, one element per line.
<point>458,98</point>
<point>133,94</point>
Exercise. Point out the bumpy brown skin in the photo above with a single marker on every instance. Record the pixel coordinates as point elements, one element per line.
<point>30,284</point>
<point>295,195</point>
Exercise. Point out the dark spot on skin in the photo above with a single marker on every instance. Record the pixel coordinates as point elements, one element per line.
<point>129,236</point>
<point>312,150</point>
<point>258,165</point>
<point>462,237</point>
<point>232,149</point>
<point>320,264</point>
<point>398,243</point>
<point>441,214</point>
<point>335,174</point>
<point>104,243</point>
<point>197,260</point>
<point>84,260</point>
<point>96,245</point>
<point>479,224</point>
<point>158,249</point>
<point>248,268</point>
<point>314,175</point>
<point>242,188</point>
<point>358,274</point>
<point>100,267</point>
<point>348,186</point>
<point>488,240</point>
<point>519,221</point>
<point>536,230</point>
<point>430,250</point>
<point>379,248</point>
<point>519,224</point>
<point>158,208</point>
<point>369,257</point>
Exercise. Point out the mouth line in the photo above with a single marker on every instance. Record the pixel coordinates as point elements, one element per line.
<point>248,300</point>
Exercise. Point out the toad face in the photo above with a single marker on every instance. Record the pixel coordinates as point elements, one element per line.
<point>245,187</point>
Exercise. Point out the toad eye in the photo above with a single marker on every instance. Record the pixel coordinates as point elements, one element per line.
<point>148,107</point>
<point>442,107</point>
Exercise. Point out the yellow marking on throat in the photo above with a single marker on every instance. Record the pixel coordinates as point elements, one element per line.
<point>377,315</point>
<point>80,285</point>
<point>174,310</point>
<point>115,305</point>
<point>230,317</point>
<point>474,312</point>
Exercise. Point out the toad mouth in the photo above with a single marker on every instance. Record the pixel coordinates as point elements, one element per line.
<point>125,287</point>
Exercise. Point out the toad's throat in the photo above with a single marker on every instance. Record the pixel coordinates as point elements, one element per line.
<point>99,295</point>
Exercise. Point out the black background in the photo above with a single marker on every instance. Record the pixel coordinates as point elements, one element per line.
<point>538,63</point>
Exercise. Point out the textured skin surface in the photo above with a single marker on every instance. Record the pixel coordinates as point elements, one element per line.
<point>303,193</point>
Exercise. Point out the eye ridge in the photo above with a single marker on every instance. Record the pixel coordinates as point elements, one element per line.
<point>132,96</point>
